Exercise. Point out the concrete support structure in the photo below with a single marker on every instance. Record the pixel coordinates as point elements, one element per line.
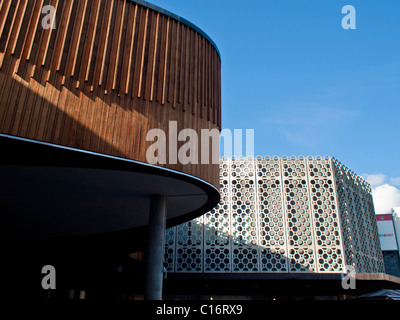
<point>155,247</point>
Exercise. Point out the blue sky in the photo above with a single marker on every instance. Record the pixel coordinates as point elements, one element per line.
<point>306,85</point>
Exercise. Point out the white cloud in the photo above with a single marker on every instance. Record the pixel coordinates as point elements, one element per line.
<point>385,198</point>
<point>386,195</point>
<point>375,179</point>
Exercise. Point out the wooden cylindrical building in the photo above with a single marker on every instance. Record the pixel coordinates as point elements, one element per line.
<point>86,81</point>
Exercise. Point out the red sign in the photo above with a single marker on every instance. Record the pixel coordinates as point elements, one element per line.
<point>384,217</point>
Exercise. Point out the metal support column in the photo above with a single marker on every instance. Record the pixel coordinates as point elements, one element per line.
<point>155,247</point>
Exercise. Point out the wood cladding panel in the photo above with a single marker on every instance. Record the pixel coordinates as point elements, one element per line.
<point>109,72</point>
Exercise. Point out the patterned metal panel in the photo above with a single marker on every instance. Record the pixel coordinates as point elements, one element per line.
<point>301,248</point>
<point>359,228</point>
<point>272,224</point>
<point>281,214</point>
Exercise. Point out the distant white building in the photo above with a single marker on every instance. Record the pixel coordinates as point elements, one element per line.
<point>396,223</point>
<point>389,232</point>
<point>386,231</point>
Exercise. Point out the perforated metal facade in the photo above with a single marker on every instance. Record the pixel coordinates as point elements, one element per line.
<point>288,214</point>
